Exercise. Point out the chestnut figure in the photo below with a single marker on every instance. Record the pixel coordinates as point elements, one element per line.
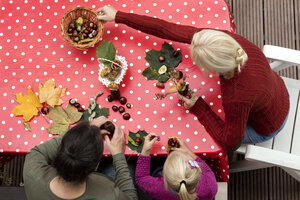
<point>123,100</point>
<point>121,109</point>
<point>110,98</point>
<point>126,116</point>
<point>109,126</point>
<point>45,110</point>
<point>138,140</point>
<point>161,59</point>
<point>115,108</point>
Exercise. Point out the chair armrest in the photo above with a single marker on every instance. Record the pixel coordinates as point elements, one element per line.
<point>222,193</point>
<point>256,153</point>
<point>282,54</point>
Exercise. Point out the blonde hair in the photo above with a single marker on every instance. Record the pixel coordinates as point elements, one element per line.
<point>217,51</point>
<point>180,177</point>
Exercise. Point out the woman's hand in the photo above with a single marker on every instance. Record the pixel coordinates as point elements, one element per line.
<point>117,143</point>
<point>150,139</point>
<point>99,121</point>
<point>184,149</point>
<point>107,13</point>
<point>188,103</point>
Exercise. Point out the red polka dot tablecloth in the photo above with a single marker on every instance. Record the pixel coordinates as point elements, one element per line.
<point>32,51</point>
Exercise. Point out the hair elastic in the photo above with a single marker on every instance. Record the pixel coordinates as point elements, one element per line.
<point>183,181</point>
<point>194,164</point>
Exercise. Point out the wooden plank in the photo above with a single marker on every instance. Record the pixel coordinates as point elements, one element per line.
<point>296,138</point>
<point>283,140</point>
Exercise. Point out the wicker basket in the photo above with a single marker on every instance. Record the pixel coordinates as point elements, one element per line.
<point>74,13</point>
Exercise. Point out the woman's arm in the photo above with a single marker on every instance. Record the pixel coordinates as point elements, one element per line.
<point>157,27</point>
<point>207,185</point>
<point>227,133</point>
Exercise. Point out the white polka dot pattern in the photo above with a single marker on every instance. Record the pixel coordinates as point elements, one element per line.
<point>32,51</point>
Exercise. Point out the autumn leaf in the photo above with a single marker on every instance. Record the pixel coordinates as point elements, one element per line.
<point>28,105</point>
<point>51,95</point>
<point>62,119</point>
<point>131,140</point>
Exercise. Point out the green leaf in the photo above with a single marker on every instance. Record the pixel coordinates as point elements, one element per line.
<point>167,52</point>
<point>27,126</point>
<point>142,134</point>
<point>107,51</point>
<point>149,74</point>
<point>163,78</point>
<point>98,112</point>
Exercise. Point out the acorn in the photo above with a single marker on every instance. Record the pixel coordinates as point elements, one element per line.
<point>45,110</point>
<point>126,116</point>
<point>161,59</point>
<point>123,100</point>
<point>109,126</point>
<point>121,109</point>
<point>138,140</point>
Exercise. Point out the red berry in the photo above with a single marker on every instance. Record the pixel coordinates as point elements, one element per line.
<point>126,116</point>
<point>115,108</point>
<point>45,110</point>
<point>121,109</point>
<point>138,140</point>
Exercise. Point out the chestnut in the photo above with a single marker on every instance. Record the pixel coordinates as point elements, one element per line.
<point>76,39</point>
<point>128,105</point>
<point>109,126</point>
<point>121,109</point>
<point>126,116</point>
<point>161,59</point>
<point>138,140</point>
<point>77,105</point>
<point>123,100</point>
<point>110,98</point>
<point>45,110</point>
<point>115,108</point>
<point>72,102</point>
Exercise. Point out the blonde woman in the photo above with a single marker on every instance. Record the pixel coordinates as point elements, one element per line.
<point>254,98</point>
<point>185,175</point>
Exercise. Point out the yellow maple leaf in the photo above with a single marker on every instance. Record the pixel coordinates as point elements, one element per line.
<point>28,105</point>
<point>51,95</point>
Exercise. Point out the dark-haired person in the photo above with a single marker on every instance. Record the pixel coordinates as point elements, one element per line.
<point>64,167</point>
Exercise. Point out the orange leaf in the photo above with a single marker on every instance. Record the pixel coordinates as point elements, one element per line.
<point>51,95</point>
<point>28,105</point>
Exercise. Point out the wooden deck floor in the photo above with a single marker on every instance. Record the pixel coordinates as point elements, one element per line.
<point>274,22</point>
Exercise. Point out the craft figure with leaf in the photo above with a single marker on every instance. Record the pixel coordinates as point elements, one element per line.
<point>94,110</point>
<point>62,118</point>
<point>136,140</point>
<point>162,68</point>
<point>28,105</point>
<point>112,68</point>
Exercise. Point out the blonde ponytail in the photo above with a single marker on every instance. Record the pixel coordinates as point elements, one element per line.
<point>217,51</point>
<point>180,177</point>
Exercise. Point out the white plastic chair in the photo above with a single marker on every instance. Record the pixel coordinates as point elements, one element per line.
<point>222,193</point>
<point>284,149</point>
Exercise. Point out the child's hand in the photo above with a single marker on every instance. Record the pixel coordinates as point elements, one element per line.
<point>188,103</point>
<point>184,149</point>
<point>107,13</point>
<point>150,139</point>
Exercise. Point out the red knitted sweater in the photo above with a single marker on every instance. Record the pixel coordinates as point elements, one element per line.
<point>256,96</point>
